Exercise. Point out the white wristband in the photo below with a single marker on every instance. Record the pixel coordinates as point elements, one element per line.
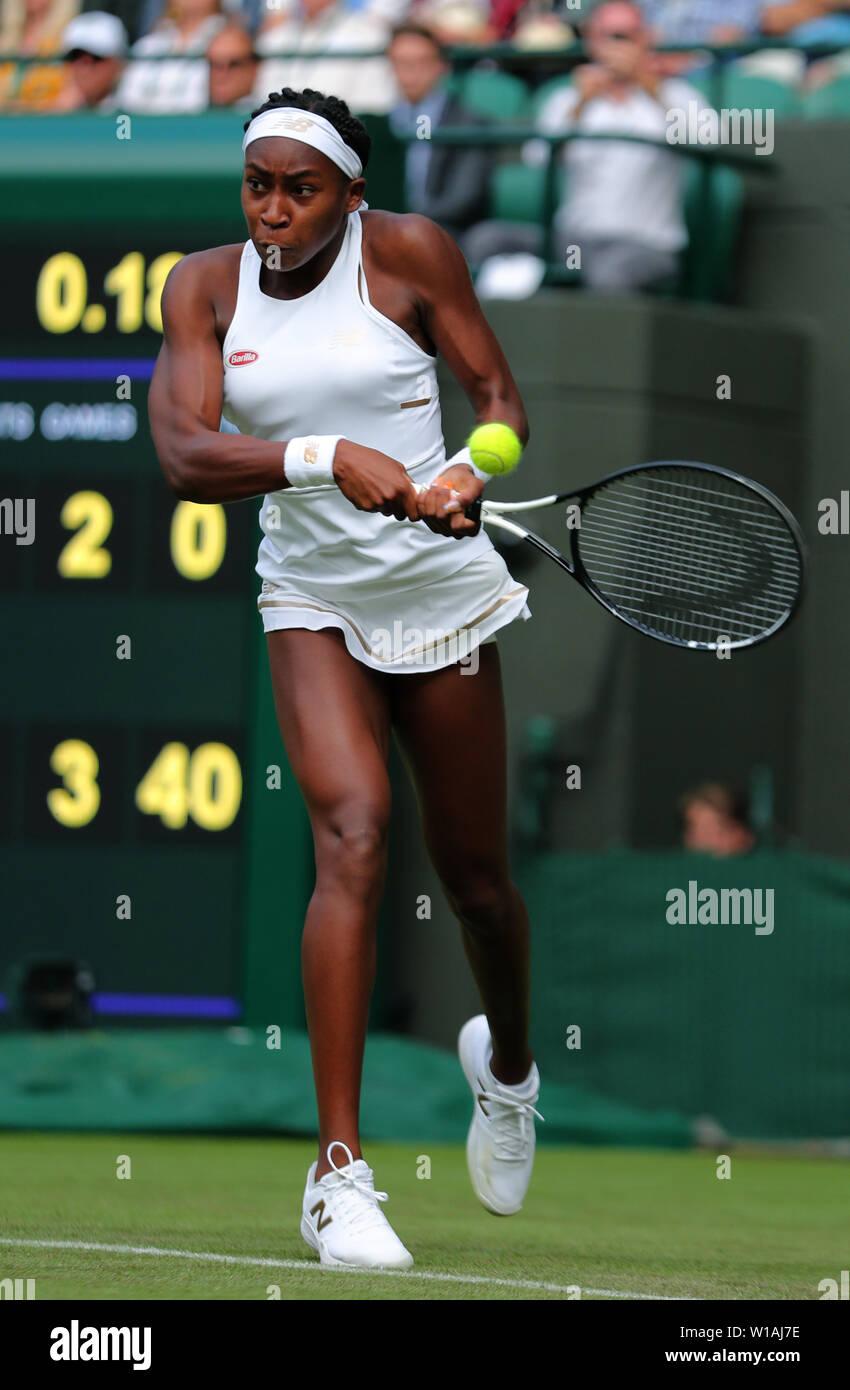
<point>464,456</point>
<point>309,460</point>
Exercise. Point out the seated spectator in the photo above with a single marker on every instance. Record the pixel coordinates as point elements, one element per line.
<point>542,31</point>
<point>712,22</point>
<point>702,21</point>
<point>491,21</point>
<point>448,183</point>
<point>624,202</point>
<point>808,21</point>
<point>150,13</point>
<point>95,49</point>
<point>715,820</point>
<point>233,66</point>
<point>385,12</point>
<point>30,29</point>
<point>318,26</point>
<point>135,15</point>
<point>186,29</point>
<point>457,21</point>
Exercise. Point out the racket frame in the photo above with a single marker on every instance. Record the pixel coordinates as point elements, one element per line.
<point>494,513</point>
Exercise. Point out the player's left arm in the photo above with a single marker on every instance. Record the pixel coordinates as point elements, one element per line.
<point>452,317</point>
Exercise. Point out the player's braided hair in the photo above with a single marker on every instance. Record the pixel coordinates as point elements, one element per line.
<point>353,131</point>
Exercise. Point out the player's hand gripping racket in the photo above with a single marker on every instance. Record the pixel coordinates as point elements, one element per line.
<point>683,552</point>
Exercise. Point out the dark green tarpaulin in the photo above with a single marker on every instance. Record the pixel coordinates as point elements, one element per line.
<point>196,1079</point>
<point>700,1019</point>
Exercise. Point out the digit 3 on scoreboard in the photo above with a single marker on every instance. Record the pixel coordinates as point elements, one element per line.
<point>122,743</point>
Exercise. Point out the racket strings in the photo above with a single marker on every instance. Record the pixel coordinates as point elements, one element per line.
<point>720,566</point>
<point>668,569</point>
<point>690,527</point>
<point>690,558</point>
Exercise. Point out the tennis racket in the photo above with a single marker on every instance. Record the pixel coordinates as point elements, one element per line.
<point>686,553</point>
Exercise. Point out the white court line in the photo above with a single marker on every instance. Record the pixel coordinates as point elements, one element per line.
<point>314,1266</point>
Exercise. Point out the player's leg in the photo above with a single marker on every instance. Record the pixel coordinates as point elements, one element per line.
<point>334,719</point>
<point>450,725</point>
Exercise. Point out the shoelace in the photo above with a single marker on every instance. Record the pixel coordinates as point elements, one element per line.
<point>354,1213</point>
<point>510,1128</point>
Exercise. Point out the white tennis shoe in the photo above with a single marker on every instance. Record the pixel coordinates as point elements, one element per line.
<point>500,1143</point>
<point>341,1218</point>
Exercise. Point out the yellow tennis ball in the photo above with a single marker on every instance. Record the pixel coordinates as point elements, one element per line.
<point>495,448</point>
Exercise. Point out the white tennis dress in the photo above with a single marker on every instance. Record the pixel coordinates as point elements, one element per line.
<point>329,363</point>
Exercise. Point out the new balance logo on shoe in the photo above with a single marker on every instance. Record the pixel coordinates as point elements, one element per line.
<point>480,1097</point>
<point>320,1208</point>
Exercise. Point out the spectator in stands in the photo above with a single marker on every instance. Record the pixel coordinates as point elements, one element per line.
<point>545,31</point>
<point>702,21</point>
<point>623,208</point>
<point>716,820</point>
<point>233,68</point>
<point>30,29</point>
<point>493,21</point>
<point>712,22</point>
<point>95,48</point>
<point>505,16</point>
<point>449,183</point>
<point>457,21</point>
<point>309,27</point>
<point>151,13</point>
<point>185,32</point>
<point>135,15</point>
<point>808,21</point>
<point>386,12</point>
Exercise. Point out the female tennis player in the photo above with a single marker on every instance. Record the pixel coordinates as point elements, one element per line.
<point>317,339</point>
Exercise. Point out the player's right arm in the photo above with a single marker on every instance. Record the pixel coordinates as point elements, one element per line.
<point>184,402</point>
<point>200,463</point>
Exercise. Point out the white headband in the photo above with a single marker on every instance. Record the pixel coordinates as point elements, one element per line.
<point>314,130</point>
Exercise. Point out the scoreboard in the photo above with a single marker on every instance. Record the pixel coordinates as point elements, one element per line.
<point>148,813</point>
<point>141,767</point>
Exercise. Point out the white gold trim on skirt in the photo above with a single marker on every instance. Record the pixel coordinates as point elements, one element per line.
<point>407,630</point>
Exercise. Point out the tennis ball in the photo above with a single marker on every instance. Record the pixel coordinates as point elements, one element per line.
<point>495,448</point>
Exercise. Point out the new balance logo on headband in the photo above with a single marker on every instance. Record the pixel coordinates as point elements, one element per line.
<point>296,122</point>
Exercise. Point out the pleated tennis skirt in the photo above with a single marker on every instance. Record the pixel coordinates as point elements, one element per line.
<point>424,627</point>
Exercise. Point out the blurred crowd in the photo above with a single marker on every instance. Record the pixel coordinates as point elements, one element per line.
<point>621,203</point>
<point>233,52</point>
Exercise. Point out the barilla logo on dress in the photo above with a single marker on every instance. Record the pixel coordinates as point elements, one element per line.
<point>241,359</point>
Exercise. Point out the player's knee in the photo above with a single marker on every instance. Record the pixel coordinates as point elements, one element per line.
<point>356,840</point>
<point>483,904</point>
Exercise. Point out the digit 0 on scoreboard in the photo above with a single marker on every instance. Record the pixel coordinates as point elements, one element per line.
<point>119,535</point>
<point>72,294</point>
<point>129,629</point>
<point>92,783</point>
<point>136,724</point>
<point>197,547</point>
<point>190,787</point>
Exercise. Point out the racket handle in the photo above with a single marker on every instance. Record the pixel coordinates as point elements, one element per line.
<point>473,510</point>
